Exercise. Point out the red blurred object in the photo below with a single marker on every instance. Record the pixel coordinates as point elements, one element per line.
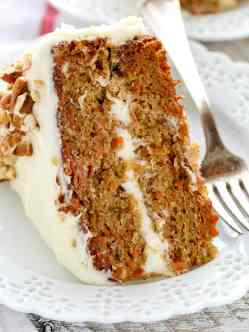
<point>48,21</point>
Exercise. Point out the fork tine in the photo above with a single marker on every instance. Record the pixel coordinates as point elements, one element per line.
<point>227,208</point>
<point>243,187</point>
<point>219,209</point>
<point>236,200</point>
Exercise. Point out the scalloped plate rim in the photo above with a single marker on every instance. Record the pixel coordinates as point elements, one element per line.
<point>208,36</point>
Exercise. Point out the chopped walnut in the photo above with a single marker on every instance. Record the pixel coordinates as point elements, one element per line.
<point>19,88</point>
<point>27,105</point>
<point>17,121</point>
<point>7,173</point>
<point>12,73</point>
<point>14,138</point>
<point>6,101</point>
<point>23,149</point>
<point>8,160</point>
<point>16,118</point>
<point>4,117</point>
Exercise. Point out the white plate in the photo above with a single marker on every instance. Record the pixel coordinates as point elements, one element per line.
<point>233,24</point>
<point>230,25</point>
<point>32,281</point>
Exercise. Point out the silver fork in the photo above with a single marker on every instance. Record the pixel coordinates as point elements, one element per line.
<point>226,174</point>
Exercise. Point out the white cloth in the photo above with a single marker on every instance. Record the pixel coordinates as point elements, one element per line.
<point>20,19</point>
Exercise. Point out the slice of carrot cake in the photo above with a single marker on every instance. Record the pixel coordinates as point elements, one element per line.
<point>197,7</point>
<point>95,141</point>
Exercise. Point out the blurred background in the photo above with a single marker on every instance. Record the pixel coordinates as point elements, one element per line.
<point>24,20</point>
<point>21,21</point>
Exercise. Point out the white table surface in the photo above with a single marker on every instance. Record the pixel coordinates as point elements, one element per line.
<point>14,18</point>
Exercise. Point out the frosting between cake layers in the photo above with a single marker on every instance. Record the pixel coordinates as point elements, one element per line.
<point>36,175</point>
<point>156,249</point>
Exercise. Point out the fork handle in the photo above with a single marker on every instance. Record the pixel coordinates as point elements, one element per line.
<point>213,139</point>
<point>165,19</point>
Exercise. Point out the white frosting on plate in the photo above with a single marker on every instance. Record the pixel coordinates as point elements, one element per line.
<point>36,175</point>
